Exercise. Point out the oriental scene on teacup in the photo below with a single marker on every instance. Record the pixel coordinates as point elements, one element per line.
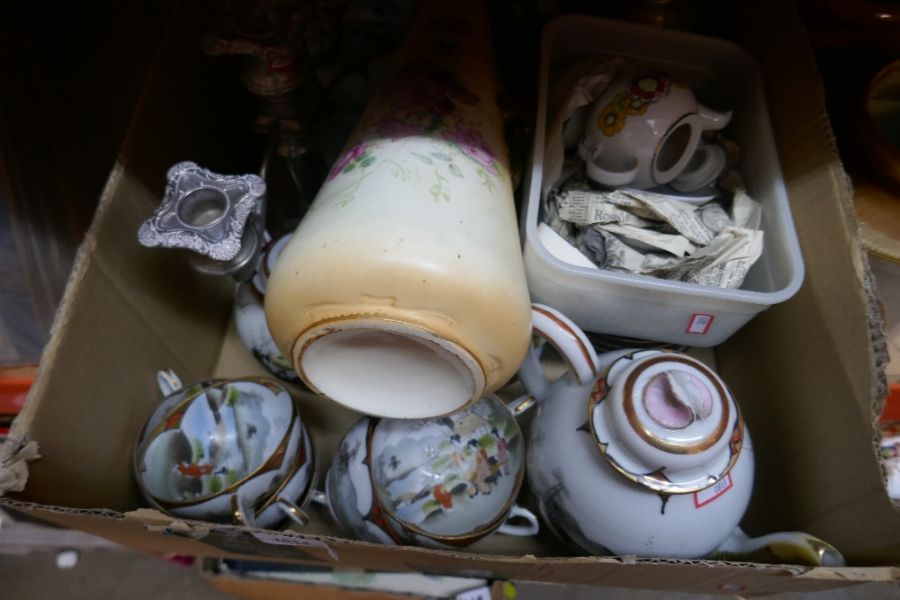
<point>449,476</point>
<point>219,438</point>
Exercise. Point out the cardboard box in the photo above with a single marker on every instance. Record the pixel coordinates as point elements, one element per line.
<point>807,372</point>
<point>267,580</point>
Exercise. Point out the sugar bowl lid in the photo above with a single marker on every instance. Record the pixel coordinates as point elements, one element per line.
<point>665,421</point>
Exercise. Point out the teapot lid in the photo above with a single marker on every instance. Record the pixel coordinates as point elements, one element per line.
<point>665,421</point>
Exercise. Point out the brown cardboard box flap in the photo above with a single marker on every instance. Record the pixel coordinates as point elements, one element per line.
<point>631,572</point>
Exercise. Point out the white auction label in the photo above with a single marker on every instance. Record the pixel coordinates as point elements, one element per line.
<point>707,495</point>
<point>700,323</point>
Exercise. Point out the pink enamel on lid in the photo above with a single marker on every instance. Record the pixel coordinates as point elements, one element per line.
<point>666,408</point>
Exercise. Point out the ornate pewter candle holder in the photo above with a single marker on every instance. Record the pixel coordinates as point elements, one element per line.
<point>219,217</point>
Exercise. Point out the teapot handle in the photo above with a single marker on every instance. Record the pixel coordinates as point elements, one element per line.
<point>568,338</point>
<point>572,344</point>
<point>711,120</point>
<point>787,547</point>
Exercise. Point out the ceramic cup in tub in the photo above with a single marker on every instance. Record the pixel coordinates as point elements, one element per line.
<point>644,131</point>
<point>647,456</point>
<point>214,449</point>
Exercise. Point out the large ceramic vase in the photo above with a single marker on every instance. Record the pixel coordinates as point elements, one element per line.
<point>402,293</point>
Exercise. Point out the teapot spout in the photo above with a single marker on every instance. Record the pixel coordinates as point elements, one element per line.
<point>786,547</point>
<point>711,120</point>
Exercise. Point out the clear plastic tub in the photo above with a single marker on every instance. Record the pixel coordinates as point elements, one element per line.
<point>723,76</point>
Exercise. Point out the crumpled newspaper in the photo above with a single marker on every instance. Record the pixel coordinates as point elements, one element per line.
<point>710,240</point>
<point>15,453</point>
<point>656,235</point>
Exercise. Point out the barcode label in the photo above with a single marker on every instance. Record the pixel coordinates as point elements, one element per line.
<point>700,323</point>
<point>707,495</point>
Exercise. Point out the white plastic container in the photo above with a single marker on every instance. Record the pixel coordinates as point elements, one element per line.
<point>723,76</point>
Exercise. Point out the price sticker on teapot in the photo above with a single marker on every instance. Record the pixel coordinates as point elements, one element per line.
<point>707,495</point>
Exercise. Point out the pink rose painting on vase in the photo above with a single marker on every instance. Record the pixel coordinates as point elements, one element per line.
<point>421,101</point>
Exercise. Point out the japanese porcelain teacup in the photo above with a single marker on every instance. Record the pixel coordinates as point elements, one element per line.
<point>217,448</point>
<point>643,131</point>
<point>647,455</point>
<point>443,482</point>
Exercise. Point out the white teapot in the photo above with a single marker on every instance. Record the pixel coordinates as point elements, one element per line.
<point>646,455</point>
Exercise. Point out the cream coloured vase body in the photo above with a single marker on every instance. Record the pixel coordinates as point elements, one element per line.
<point>402,293</point>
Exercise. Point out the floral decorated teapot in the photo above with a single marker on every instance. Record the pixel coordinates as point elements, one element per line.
<point>644,130</point>
<point>649,456</point>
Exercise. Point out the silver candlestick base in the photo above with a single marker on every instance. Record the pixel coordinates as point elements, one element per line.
<point>219,217</point>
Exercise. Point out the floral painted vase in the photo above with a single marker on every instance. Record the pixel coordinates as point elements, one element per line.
<point>406,272</point>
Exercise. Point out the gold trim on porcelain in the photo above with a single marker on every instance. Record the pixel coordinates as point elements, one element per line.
<point>660,443</point>
<point>143,439</point>
<point>657,480</point>
<point>301,460</point>
<point>325,323</point>
<point>275,460</point>
<point>581,346</point>
<point>204,385</point>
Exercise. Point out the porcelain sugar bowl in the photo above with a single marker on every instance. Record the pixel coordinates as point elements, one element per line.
<point>443,482</point>
<point>651,457</point>
<point>233,450</point>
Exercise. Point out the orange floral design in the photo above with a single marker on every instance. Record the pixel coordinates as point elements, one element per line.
<point>636,106</point>
<point>632,101</point>
<point>611,120</point>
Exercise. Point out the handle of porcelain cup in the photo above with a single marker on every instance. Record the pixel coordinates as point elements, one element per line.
<point>239,514</point>
<point>786,547</point>
<point>168,382</point>
<point>702,170</point>
<point>591,152</point>
<point>711,120</point>
<point>517,512</point>
<point>290,508</point>
<point>319,497</point>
